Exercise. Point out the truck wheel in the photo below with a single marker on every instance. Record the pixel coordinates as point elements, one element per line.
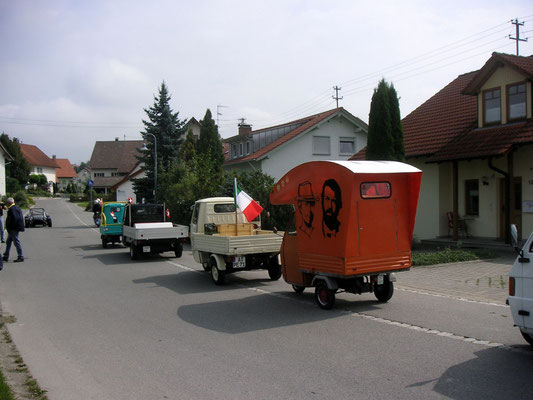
<point>297,288</point>
<point>104,242</point>
<point>384,292</point>
<point>217,275</point>
<point>528,337</point>
<point>324,296</point>
<point>134,252</point>
<point>274,269</point>
<point>178,249</point>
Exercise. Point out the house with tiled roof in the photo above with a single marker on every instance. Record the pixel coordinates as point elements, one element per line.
<point>124,187</point>
<point>474,142</point>
<point>111,161</point>
<point>65,174</point>
<point>40,163</point>
<point>331,135</point>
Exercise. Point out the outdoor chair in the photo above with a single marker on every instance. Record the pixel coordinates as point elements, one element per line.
<point>461,225</point>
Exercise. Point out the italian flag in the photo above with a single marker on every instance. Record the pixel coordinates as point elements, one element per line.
<point>247,205</point>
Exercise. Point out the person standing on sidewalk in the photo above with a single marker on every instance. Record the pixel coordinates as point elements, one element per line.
<point>14,225</point>
<point>2,208</point>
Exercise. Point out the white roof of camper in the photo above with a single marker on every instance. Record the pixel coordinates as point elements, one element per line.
<point>376,167</point>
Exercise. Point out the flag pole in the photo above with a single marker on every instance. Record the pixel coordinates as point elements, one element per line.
<point>235,198</point>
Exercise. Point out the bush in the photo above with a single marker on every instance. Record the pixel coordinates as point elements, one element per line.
<point>450,256</point>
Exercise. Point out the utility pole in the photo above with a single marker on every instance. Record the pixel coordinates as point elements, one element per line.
<point>219,106</point>
<point>336,97</point>
<point>517,37</point>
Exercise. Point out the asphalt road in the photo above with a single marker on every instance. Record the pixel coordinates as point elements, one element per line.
<point>92,324</point>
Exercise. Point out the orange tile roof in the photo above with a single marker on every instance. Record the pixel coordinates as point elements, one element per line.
<point>65,169</point>
<point>36,157</point>
<point>444,128</point>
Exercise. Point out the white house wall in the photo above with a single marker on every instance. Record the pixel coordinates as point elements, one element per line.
<point>125,190</point>
<point>300,149</point>
<point>427,213</point>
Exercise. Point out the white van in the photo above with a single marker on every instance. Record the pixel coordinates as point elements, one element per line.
<point>521,287</point>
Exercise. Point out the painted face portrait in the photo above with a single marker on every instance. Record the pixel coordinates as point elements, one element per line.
<point>306,205</point>
<point>331,205</point>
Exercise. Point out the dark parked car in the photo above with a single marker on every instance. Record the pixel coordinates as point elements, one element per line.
<point>37,216</point>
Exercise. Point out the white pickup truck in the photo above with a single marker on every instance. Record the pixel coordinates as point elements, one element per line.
<point>146,230</point>
<point>224,242</point>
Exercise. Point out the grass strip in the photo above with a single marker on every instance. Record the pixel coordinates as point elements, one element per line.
<point>5,391</point>
<point>448,255</point>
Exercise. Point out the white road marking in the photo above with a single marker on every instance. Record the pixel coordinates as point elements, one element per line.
<point>386,321</point>
<point>78,218</point>
<point>449,297</point>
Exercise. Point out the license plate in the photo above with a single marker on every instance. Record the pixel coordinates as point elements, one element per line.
<point>239,262</point>
<point>380,279</point>
<point>146,249</point>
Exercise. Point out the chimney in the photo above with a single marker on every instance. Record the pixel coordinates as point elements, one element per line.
<point>116,139</point>
<point>244,129</point>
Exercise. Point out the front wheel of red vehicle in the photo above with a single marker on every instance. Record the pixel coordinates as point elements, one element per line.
<point>325,297</point>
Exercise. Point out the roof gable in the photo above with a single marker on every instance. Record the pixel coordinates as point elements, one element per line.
<point>288,131</point>
<point>117,154</point>
<point>523,65</point>
<point>36,157</point>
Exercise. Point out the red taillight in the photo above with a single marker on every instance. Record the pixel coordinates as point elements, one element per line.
<point>511,286</point>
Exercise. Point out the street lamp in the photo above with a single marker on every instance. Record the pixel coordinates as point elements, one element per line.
<point>155,163</point>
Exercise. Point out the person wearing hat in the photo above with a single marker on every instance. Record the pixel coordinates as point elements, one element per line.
<point>306,204</point>
<point>14,225</point>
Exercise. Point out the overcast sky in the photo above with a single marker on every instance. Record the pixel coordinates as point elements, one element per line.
<point>73,72</point>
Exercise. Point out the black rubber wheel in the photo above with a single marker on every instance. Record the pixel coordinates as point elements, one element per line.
<point>527,337</point>
<point>298,288</point>
<point>27,225</point>
<point>134,252</point>
<point>274,269</point>
<point>217,275</point>
<point>178,249</point>
<point>325,297</point>
<point>385,291</point>
<point>104,242</point>
<point>50,223</point>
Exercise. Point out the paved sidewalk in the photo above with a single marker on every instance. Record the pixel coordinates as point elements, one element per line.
<point>485,281</point>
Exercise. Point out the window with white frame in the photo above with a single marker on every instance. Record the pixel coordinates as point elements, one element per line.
<point>321,145</point>
<point>516,101</point>
<point>233,150</point>
<point>241,149</point>
<point>492,106</point>
<point>346,146</point>
<point>248,146</point>
<point>99,174</point>
<point>39,170</point>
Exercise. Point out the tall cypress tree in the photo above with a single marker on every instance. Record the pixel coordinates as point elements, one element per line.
<point>188,148</point>
<point>167,128</point>
<point>209,145</point>
<point>385,133</point>
<point>396,125</point>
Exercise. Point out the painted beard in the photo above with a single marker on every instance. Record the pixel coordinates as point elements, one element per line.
<point>331,221</point>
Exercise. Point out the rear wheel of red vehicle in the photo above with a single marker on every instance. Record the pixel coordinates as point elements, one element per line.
<point>385,291</point>
<point>298,288</point>
<point>324,296</point>
<point>274,269</point>
<point>217,275</point>
<point>527,337</point>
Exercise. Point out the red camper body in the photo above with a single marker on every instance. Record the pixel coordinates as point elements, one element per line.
<point>354,224</point>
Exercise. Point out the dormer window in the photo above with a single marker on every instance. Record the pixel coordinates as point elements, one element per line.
<point>516,101</point>
<point>492,106</point>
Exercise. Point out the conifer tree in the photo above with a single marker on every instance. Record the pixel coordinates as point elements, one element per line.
<point>396,125</point>
<point>380,144</point>
<point>188,148</point>
<point>209,145</point>
<point>167,128</point>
